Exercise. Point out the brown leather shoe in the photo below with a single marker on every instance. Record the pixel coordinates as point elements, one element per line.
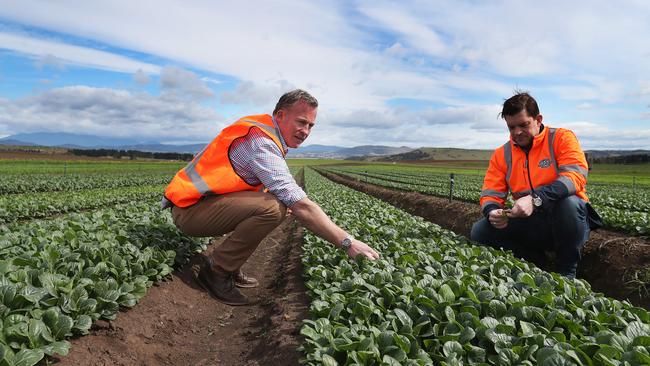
<point>244,281</point>
<point>221,285</point>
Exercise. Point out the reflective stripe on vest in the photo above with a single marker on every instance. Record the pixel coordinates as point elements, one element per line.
<point>551,138</point>
<point>493,193</point>
<point>507,154</point>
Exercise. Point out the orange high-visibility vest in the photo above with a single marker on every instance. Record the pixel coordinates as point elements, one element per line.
<point>211,171</point>
<point>555,155</point>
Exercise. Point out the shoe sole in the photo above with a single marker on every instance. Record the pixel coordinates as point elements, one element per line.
<point>207,289</point>
<point>246,286</point>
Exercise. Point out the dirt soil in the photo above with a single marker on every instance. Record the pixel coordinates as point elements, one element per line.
<point>609,259</point>
<point>178,323</point>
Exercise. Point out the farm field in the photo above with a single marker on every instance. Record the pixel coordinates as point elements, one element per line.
<point>81,241</point>
<point>435,299</point>
<point>624,206</point>
<point>616,263</point>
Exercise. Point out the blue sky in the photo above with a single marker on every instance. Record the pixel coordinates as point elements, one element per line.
<point>414,73</point>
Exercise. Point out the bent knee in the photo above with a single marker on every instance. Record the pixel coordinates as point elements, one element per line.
<point>571,203</point>
<point>274,209</point>
<point>477,233</point>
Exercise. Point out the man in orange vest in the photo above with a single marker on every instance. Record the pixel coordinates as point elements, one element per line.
<point>240,183</point>
<point>545,171</point>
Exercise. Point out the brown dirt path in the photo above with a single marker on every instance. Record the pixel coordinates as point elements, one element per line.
<point>178,323</point>
<point>609,261</point>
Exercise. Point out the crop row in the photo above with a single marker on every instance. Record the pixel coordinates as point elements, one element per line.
<point>38,205</point>
<point>58,276</point>
<point>434,298</point>
<point>623,208</point>
<point>21,167</point>
<point>32,183</point>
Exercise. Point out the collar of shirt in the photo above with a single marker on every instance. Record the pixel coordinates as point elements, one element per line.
<point>277,129</point>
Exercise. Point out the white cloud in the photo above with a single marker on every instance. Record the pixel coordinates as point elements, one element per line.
<point>43,49</point>
<point>354,57</point>
<point>140,77</point>
<point>328,52</point>
<point>265,95</point>
<point>182,82</point>
<point>585,106</point>
<point>109,112</point>
<point>418,34</point>
<point>49,61</point>
<point>397,50</point>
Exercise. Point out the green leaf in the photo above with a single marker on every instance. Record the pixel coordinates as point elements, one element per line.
<point>32,294</point>
<point>637,329</point>
<point>309,332</point>
<point>485,295</point>
<point>6,354</point>
<point>39,334</point>
<point>83,323</point>
<point>62,348</point>
<point>389,361</point>
<point>527,279</point>
<point>527,329</point>
<point>329,360</point>
<point>60,325</point>
<point>641,341</point>
<point>466,335</point>
<point>447,293</point>
<point>403,342</point>
<point>28,357</point>
<point>403,317</point>
<point>336,310</point>
<point>475,354</point>
<point>452,347</point>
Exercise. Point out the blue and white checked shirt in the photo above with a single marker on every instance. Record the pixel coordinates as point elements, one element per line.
<point>257,159</point>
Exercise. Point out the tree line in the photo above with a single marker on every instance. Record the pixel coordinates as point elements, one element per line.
<point>620,159</point>
<point>131,154</point>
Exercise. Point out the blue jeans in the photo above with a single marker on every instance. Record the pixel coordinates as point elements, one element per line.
<point>561,227</point>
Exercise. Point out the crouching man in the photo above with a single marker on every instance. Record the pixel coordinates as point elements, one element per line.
<point>223,190</point>
<point>545,170</point>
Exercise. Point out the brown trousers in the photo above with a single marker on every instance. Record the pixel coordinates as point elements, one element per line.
<point>249,215</point>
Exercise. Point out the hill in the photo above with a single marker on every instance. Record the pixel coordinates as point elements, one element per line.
<point>439,154</point>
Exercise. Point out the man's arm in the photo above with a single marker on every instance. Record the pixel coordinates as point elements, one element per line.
<point>495,189</point>
<point>314,219</point>
<point>268,165</point>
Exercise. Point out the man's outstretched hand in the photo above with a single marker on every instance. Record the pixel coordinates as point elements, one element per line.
<point>360,248</point>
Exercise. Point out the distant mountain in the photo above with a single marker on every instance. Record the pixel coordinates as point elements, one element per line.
<point>70,139</point>
<point>337,152</point>
<point>313,151</point>
<point>366,152</point>
<point>436,153</point>
<point>10,141</point>
<point>76,141</point>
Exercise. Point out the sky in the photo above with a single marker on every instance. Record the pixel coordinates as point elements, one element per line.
<point>407,73</point>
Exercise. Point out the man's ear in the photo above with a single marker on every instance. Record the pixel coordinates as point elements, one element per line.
<point>279,116</point>
<point>539,119</point>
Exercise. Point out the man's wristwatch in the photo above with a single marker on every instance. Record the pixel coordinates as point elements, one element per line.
<point>537,201</point>
<point>347,242</point>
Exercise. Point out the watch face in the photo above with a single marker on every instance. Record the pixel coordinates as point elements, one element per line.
<point>537,201</point>
<point>346,243</point>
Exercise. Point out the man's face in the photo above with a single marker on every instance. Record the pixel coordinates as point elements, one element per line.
<point>296,122</point>
<point>523,128</point>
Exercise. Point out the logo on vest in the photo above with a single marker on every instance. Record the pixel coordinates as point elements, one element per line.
<point>544,163</point>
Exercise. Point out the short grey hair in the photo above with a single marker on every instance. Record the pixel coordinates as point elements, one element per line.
<point>290,98</point>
